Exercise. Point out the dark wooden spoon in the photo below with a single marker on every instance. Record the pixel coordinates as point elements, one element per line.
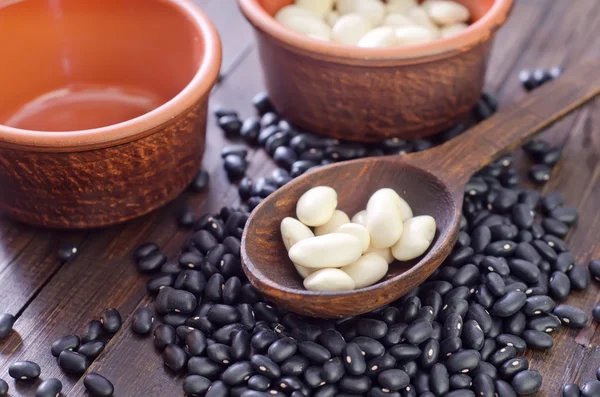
<point>432,182</point>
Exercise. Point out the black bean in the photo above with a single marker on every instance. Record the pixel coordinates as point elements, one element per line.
<point>503,354</point>
<point>515,324</point>
<point>594,267</point>
<point>450,345</point>
<point>175,358</point>
<point>230,124</point>
<point>333,341</point>
<point>142,321</point>
<point>370,347</point>
<point>67,252</point>
<point>509,304</point>
<point>527,382</point>
<point>314,352</point>
<point>226,333</point>
<point>452,326</point>
<point>527,80</point>
<point>263,339</point>
<point>571,390</point>
<point>524,236</point>
<point>175,319</point>
<point>481,237</point>
<point>572,316</point>
<point>73,363</point>
<point>355,384</point>
<point>418,332</point>
<point>501,248</point>
<point>522,216</point>
<point>579,278</point>
<point>333,370</point>
<point>460,393</point>
<point>555,227</point>
<point>69,342</point>
<point>282,349</point>
<point>544,323</point>
<point>295,365</point>
<point>525,270</point>
<point>466,275</point>
<point>379,364</point>
<point>91,349</point>
<point>151,262</point>
<point>494,264</point>
<point>179,301</point>
<point>540,173</point>
<point>204,366</point>
<point>196,385</point>
<point>590,388</point>
<point>513,366</point>
<point>49,388</point>
<point>265,366</point>
<point>144,250</point>
<point>214,288</point>
<point>460,256</point>
<point>483,385</point>
<point>559,286</point>
<point>97,385</point>
<point>393,379</point>
<point>164,335</point>
<point>463,361</point>
<point>237,373</point>
<point>217,389</point>
<point>92,332</point>
<point>354,361</point>
<point>464,240</point>
<point>472,335</point>
<point>538,304</point>
<point>259,383</point>
<point>111,320</point>
<point>6,324</point>
<point>537,340</point>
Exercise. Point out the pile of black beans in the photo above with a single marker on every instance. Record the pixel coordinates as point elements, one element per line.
<point>461,333</point>
<point>545,157</point>
<point>531,79</point>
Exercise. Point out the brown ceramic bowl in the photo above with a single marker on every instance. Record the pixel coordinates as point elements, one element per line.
<point>371,94</point>
<point>102,107</point>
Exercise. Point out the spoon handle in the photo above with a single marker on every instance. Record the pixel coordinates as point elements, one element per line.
<point>458,159</point>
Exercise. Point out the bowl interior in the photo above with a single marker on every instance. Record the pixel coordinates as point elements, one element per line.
<point>478,8</point>
<point>76,65</point>
<point>355,182</point>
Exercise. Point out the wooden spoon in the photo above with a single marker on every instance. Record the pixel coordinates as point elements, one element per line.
<point>432,182</point>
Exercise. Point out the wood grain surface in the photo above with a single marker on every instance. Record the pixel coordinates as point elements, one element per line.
<point>53,299</point>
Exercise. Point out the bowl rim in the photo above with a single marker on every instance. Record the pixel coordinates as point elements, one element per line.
<point>146,124</point>
<point>478,32</point>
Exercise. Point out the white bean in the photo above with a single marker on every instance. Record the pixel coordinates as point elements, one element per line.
<point>451,30</point>
<point>318,8</point>
<point>350,28</point>
<point>358,231</point>
<point>360,218</point>
<point>367,270</point>
<point>445,12</point>
<point>400,6</point>
<point>338,219</point>
<point>384,219</point>
<point>290,11</point>
<point>329,250</point>
<point>304,271</point>
<point>329,280</point>
<point>373,10</point>
<point>308,25</point>
<point>292,231</point>
<point>332,17</point>
<point>316,206</point>
<point>398,20</point>
<point>420,17</point>
<point>383,36</point>
<point>409,35</point>
<point>385,253</point>
<point>416,239</point>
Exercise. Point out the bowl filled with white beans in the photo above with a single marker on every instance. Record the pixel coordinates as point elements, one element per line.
<point>369,70</point>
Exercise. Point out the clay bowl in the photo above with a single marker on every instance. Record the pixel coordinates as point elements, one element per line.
<point>365,94</point>
<point>102,107</point>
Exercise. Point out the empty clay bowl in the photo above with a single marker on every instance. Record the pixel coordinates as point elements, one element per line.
<point>102,107</point>
<point>371,94</point>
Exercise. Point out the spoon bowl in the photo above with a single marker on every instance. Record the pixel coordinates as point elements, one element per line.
<point>432,182</point>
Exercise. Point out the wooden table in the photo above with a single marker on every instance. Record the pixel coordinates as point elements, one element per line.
<point>52,300</point>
